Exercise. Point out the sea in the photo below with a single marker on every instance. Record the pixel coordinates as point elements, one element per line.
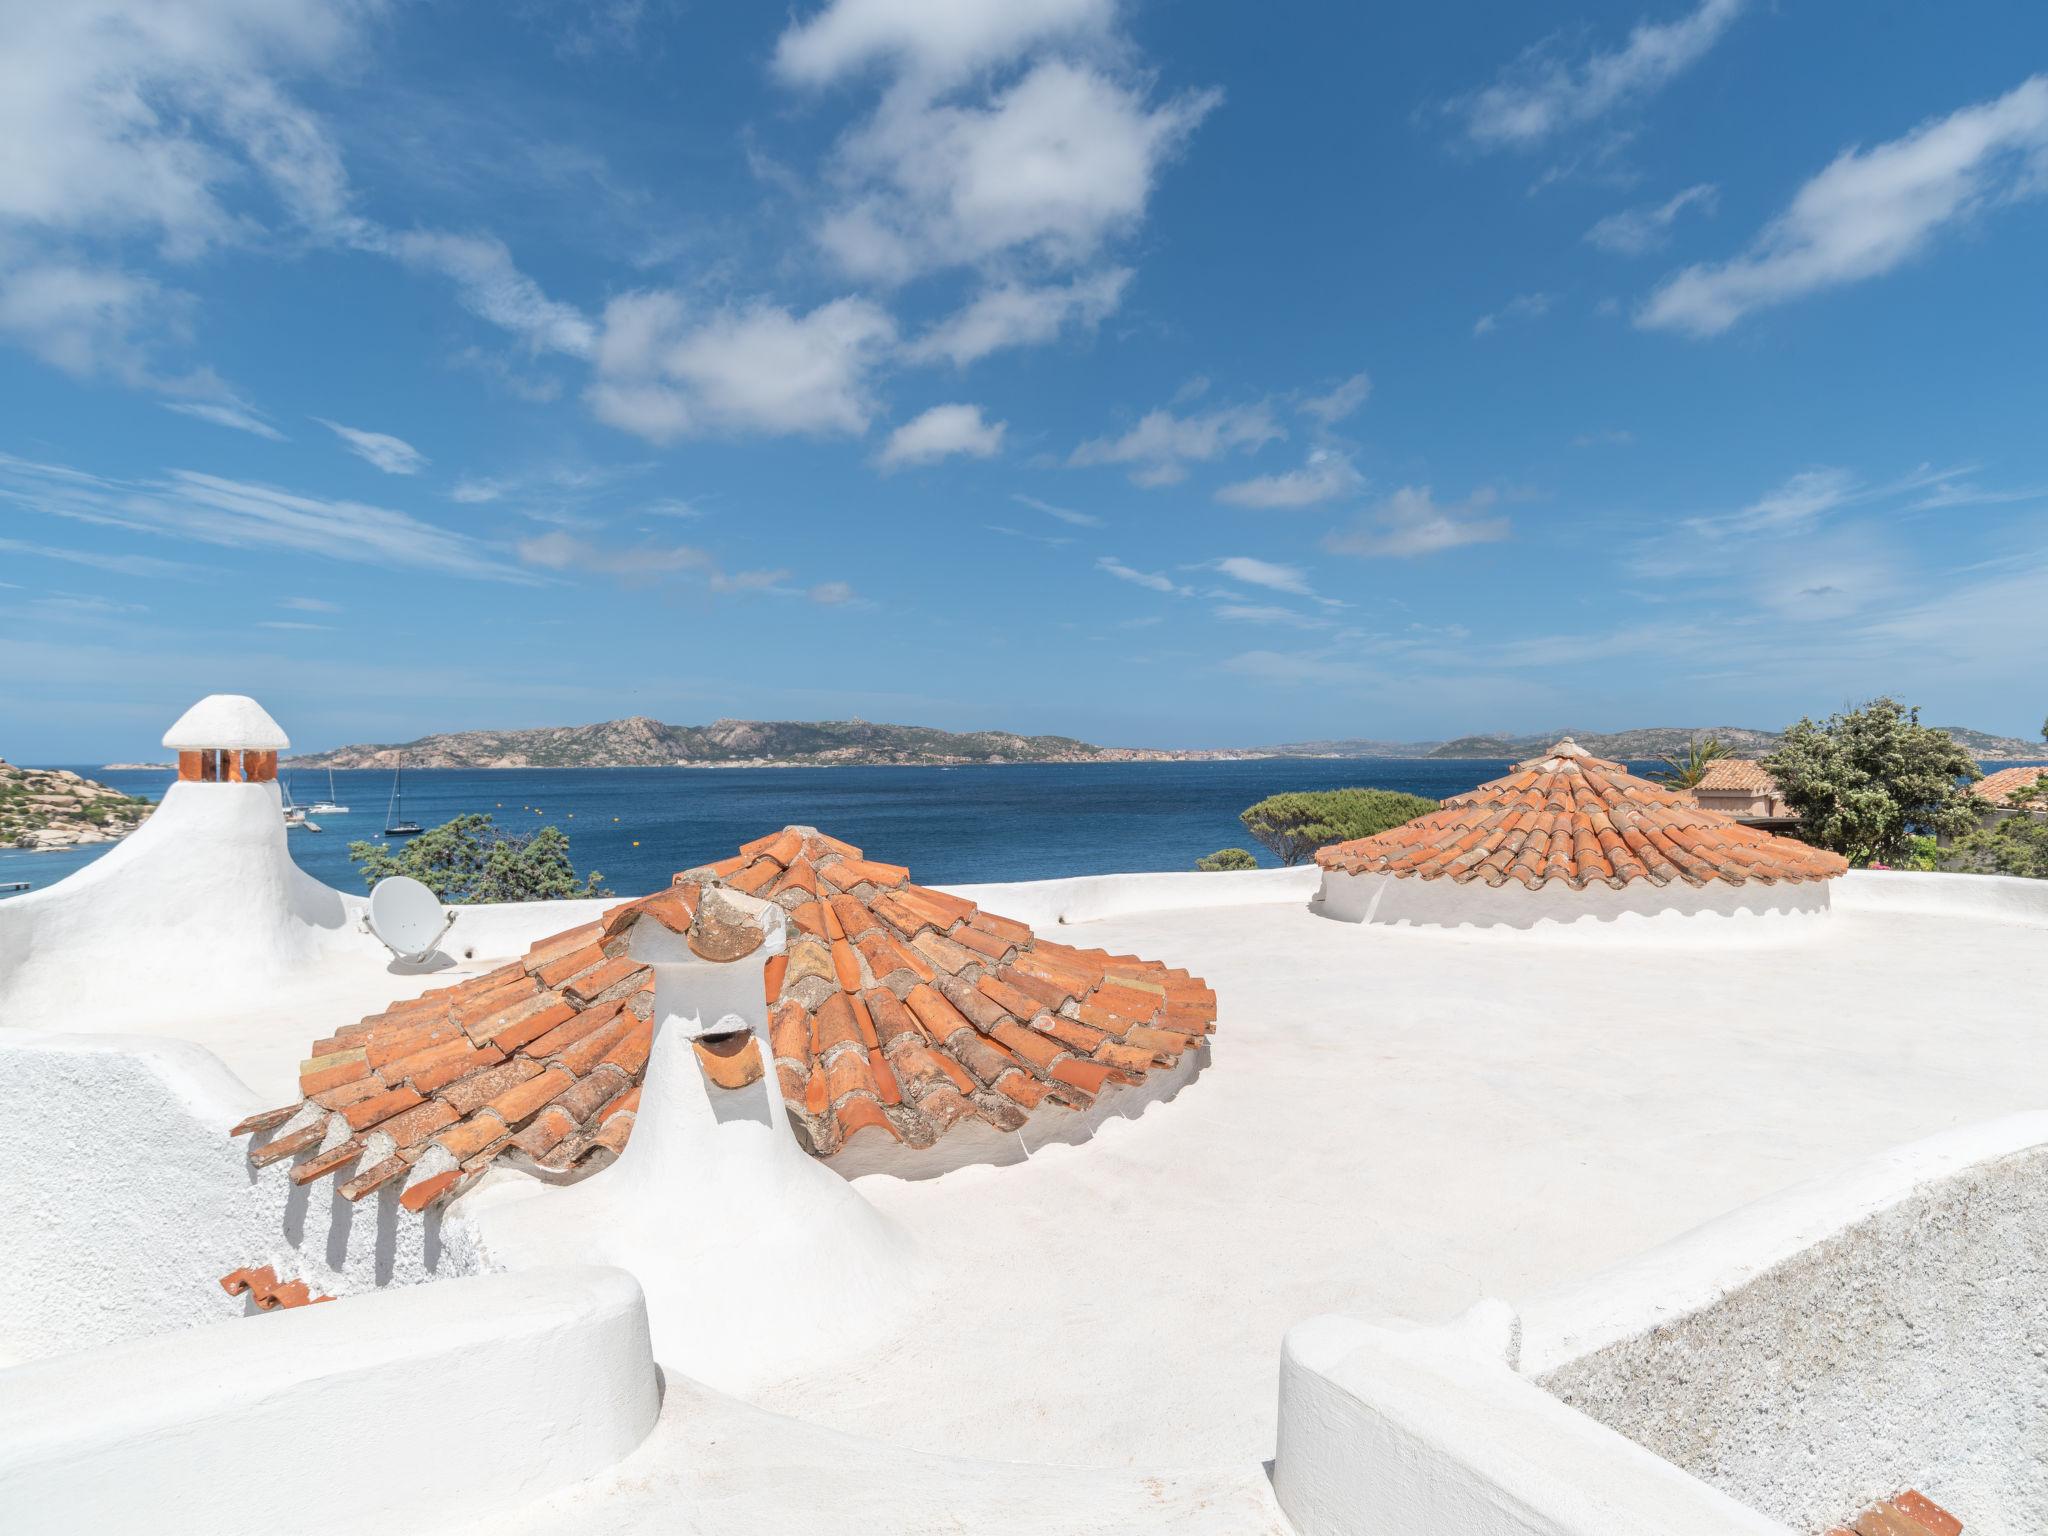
<point>951,826</point>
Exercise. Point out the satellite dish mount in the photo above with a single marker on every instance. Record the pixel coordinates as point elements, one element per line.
<point>407,917</point>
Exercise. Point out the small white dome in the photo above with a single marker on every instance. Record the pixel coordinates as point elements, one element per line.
<point>231,721</point>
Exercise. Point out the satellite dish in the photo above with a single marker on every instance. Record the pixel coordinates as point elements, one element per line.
<point>408,917</point>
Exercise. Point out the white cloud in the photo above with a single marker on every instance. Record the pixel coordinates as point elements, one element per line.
<point>761,368</point>
<point>226,414</point>
<point>90,321</point>
<point>1411,522</point>
<point>1020,315</point>
<point>1064,514</point>
<point>1257,613</point>
<point>1162,444</point>
<point>1541,94</point>
<point>832,594</point>
<point>308,605</point>
<point>1792,507</point>
<point>560,551</point>
<point>1635,231</point>
<point>211,509</point>
<point>120,565</point>
<point>1523,306</point>
<point>1341,401</point>
<point>490,286</point>
<point>130,117</point>
<point>393,455</point>
<point>1154,581</point>
<point>292,624</point>
<point>934,42</point>
<point>1055,164</point>
<point>1327,475</point>
<point>751,581</point>
<point>1264,573</point>
<point>941,432</point>
<point>1870,211</point>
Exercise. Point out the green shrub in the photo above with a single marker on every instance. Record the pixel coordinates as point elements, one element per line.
<point>1228,858</point>
<point>1295,825</point>
<point>1865,782</point>
<point>2015,845</point>
<point>468,860</point>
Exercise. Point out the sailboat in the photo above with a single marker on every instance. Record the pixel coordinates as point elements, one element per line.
<point>330,806</point>
<point>393,825</point>
<point>295,815</point>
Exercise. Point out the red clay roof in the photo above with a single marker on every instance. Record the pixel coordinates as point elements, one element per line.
<point>1910,1513</point>
<point>1999,787</point>
<point>1572,817</point>
<point>1737,773</point>
<point>895,1008</point>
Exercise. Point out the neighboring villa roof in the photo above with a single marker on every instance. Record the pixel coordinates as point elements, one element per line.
<point>1999,787</point>
<point>1572,817</point>
<point>895,1008</point>
<point>232,721</point>
<point>1739,775</point>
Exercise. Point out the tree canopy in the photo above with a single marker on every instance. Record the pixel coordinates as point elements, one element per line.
<point>1228,858</point>
<point>1296,824</point>
<point>468,860</point>
<point>1864,782</point>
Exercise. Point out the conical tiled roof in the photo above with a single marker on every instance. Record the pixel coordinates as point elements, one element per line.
<point>1571,817</point>
<point>895,1008</point>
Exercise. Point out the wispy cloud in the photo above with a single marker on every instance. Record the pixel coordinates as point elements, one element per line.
<point>1154,581</point>
<point>1163,444</point>
<point>633,564</point>
<point>1543,92</point>
<point>236,514</point>
<point>226,414</point>
<point>1636,231</point>
<point>308,605</point>
<point>944,431</point>
<point>1412,522</point>
<point>1326,476</point>
<point>1064,514</point>
<point>393,455</point>
<point>1335,404</point>
<point>1523,306</point>
<point>1264,573</point>
<point>1256,613</point>
<point>147,566</point>
<point>1021,315</point>
<point>1870,211</point>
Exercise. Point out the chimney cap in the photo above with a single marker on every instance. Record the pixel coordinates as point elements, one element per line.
<point>231,722</point>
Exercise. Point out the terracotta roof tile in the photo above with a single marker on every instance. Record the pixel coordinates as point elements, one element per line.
<point>269,1293</point>
<point>1738,774</point>
<point>2000,787</point>
<point>896,1009</point>
<point>1572,817</point>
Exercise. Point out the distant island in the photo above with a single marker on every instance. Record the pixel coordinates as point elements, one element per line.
<point>641,742</point>
<point>46,808</point>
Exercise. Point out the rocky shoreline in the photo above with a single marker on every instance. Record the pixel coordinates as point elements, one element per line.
<point>43,809</point>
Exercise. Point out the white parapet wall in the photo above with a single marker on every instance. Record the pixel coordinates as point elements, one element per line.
<point>1880,1328</point>
<point>405,1411</point>
<point>123,1200</point>
<point>1640,907</point>
<point>1981,898</point>
<point>1392,1428</point>
<point>1775,1370</point>
<point>1091,898</point>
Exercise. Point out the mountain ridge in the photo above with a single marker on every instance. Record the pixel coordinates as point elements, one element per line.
<point>639,741</point>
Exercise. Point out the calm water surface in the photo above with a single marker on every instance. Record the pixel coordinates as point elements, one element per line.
<point>950,825</point>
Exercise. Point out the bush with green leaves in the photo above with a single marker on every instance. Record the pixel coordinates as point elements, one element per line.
<point>1228,858</point>
<point>2012,845</point>
<point>1296,824</point>
<point>1866,782</point>
<point>468,860</point>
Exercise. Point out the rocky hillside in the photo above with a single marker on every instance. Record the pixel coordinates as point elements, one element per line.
<point>44,808</point>
<point>640,742</point>
<point>1672,741</point>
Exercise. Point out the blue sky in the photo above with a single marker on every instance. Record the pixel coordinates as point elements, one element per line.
<point>1132,371</point>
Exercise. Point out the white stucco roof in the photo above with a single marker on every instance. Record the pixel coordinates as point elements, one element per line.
<point>231,720</point>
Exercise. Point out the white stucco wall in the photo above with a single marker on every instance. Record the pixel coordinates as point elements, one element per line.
<point>1716,909</point>
<point>1985,898</point>
<point>396,1412</point>
<point>1393,1428</point>
<point>123,1200</point>
<point>1882,1328</point>
<point>1089,898</point>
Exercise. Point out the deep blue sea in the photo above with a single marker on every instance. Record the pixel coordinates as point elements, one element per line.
<point>952,826</point>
